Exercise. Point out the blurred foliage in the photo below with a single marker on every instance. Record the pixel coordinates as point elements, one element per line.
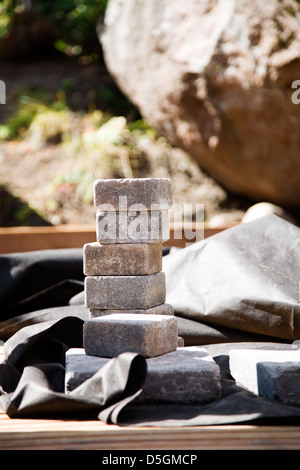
<point>101,144</point>
<point>74,21</point>
<point>28,106</point>
<point>100,135</point>
<point>16,212</point>
<point>106,147</point>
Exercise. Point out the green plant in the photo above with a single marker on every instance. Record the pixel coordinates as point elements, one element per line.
<point>108,148</point>
<point>5,17</point>
<point>73,20</point>
<point>30,103</point>
<point>20,120</point>
<point>76,19</point>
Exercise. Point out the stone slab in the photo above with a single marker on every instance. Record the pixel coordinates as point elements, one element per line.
<point>125,292</point>
<point>122,259</point>
<point>270,373</point>
<point>148,335</point>
<point>123,194</point>
<point>187,375</point>
<point>163,309</point>
<point>80,367</point>
<point>132,227</point>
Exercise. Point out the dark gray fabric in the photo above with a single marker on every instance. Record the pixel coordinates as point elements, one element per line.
<point>245,279</point>
<point>39,279</point>
<point>32,376</point>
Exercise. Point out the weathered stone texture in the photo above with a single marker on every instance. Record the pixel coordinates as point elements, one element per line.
<point>271,373</point>
<point>132,227</point>
<point>187,375</point>
<point>219,80</point>
<point>125,292</point>
<point>132,194</point>
<point>163,309</point>
<point>148,335</point>
<point>122,259</point>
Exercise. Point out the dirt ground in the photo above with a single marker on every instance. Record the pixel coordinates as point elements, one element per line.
<point>26,172</point>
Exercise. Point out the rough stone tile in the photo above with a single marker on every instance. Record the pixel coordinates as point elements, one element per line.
<point>122,194</point>
<point>122,259</point>
<point>163,309</point>
<point>270,373</point>
<point>125,292</point>
<point>187,375</point>
<point>148,335</point>
<point>80,367</point>
<point>132,227</point>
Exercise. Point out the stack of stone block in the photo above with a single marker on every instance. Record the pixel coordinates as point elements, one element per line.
<point>125,288</point>
<point>125,293</point>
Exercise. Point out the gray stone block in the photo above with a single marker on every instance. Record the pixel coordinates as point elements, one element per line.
<point>80,367</point>
<point>125,292</point>
<point>148,335</point>
<point>142,193</point>
<point>270,373</point>
<point>132,227</point>
<point>163,309</point>
<point>122,259</point>
<point>187,375</point>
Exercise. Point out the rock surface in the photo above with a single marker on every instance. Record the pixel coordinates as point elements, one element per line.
<point>148,335</point>
<point>162,309</point>
<point>124,292</point>
<point>271,373</point>
<point>215,78</point>
<point>121,259</point>
<point>196,380</point>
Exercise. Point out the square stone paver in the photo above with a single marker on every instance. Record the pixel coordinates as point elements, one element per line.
<point>148,335</point>
<point>136,193</point>
<point>125,292</point>
<point>132,227</point>
<point>187,375</point>
<point>271,373</point>
<point>122,259</point>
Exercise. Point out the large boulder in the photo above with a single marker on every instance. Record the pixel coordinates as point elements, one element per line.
<point>215,78</point>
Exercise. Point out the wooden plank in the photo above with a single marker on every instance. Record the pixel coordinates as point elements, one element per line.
<point>42,434</point>
<point>38,434</point>
<point>19,239</point>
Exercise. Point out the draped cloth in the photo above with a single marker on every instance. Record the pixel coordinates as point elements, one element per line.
<point>237,288</point>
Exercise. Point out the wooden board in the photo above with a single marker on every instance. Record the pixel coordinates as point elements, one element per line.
<point>41,434</point>
<point>18,239</point>
<point>19,434</point>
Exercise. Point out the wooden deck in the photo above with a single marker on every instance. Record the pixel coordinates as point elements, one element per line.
<point>25,434</point>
